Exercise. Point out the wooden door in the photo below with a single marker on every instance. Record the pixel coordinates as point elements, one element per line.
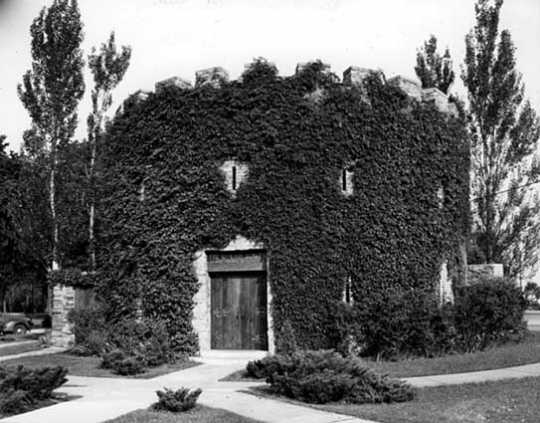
<point>238,305</point>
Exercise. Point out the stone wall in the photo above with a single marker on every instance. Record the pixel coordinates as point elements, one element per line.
<point>477,272</point>
<point>64,299</point>
<point>63,303</point>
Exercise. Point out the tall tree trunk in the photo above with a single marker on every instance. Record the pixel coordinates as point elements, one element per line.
<point>52,202</point>
<point>92,209</point>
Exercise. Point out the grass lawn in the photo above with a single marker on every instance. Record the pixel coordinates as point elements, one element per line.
<point>199,414</point>
<point>7,349</point>
<point>515,400</point>
<point>508,401</point>
<point>509,355</point>
<point>89,366</point>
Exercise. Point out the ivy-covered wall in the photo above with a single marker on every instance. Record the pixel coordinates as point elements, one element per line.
<point>164,197</point>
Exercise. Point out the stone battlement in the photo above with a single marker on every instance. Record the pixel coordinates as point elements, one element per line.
<point>353,76</point>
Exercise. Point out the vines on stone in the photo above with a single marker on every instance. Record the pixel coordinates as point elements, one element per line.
<point>163,197</point>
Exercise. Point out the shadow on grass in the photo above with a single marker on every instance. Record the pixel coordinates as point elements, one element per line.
<point>90,366</point>
<point>57,398</point>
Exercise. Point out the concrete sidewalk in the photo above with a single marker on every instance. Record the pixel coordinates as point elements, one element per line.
<point>527,370</point>
<point>44,351</point>
<point>106,398</point>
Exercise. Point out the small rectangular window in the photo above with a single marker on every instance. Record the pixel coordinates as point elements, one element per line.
<point>347,291</point>
<point>346,181</point>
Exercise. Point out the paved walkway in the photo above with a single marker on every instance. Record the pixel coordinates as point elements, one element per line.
<point>475,377</point>
<point>107,398</point>
<point>102,399</point>
<point>49,350</point>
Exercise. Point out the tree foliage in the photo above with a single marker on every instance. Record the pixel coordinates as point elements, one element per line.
<point>432,69</point>
<point>51,91</point>
<point>504,130</point>
<point>21,247</point>
<point>108,67</point>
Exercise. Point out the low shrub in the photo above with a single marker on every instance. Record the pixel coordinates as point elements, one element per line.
<point>489,312</point>
<point>117,361</point>
<point>21,388</point>
<point>267,366</point>
<point>129,366</point>
<point>89,329</point>
<point>14,402</point>
<point>146,338</point>
<point>326,376</point>
<point>532,295</point>
<point>176,401</point>
<point>409,323</point>
<point>394,324</point>
<point>80,350</point>
<point>108,359</point>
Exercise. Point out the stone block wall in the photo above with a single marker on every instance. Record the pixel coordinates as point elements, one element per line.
<point>63,302</point>
<point>477,272</point>
<point>201,310</point>
<point>64,299</point>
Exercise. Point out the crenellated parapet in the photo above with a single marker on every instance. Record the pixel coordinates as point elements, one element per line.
<point>353,77</point>
<point>408,86</point>
<point>174,81</point>
<point>215,77</point>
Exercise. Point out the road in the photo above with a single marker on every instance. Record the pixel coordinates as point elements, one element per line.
<point>533,320</point>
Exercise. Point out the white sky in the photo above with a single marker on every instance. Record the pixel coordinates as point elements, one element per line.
<point>178,37</point>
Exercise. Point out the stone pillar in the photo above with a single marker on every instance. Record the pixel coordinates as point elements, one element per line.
<point>445,285</point>
<point>202,310</point>
<point>63,302</point>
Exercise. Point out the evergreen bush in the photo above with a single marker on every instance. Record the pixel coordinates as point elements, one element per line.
<point>21,388</point>
<point>488,313</point>
<point>14,402</point>
<point>326,376</point>
<point>176,401</point>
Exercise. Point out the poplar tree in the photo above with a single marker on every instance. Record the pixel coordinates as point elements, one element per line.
<point>52,89</point>
<point>108,67</point>
<point>432,69</point>
<point>504,132</point>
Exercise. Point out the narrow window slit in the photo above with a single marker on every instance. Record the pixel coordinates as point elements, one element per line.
<point>347,291</point>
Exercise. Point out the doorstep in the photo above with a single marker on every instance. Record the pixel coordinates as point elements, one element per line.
<point>227,356</point>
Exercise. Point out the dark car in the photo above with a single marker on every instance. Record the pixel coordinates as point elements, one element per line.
<point>16,323</point>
